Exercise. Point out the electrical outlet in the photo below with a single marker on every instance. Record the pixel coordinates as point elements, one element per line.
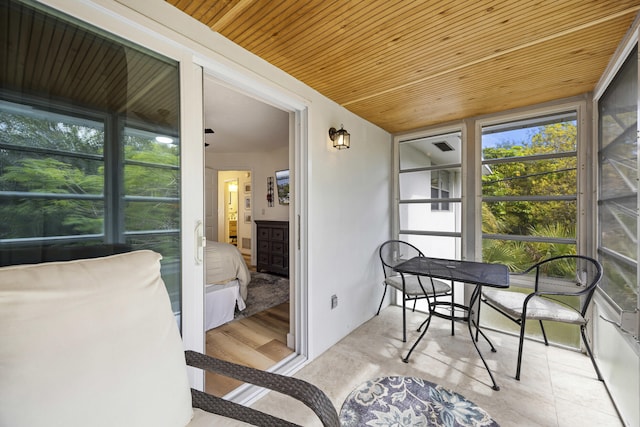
<point>334,301</point>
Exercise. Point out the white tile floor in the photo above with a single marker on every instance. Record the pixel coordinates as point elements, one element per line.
<point>557,388</point>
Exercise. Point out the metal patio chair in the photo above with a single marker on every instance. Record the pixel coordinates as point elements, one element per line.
<point>413,288</point>
<point>554,279</point>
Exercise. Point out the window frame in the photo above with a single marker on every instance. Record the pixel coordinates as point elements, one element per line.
<point>626,321</point>
<point>530,198</point>
<point>113,194</point>
<point>584,188</point>
<point>397,170</point>
<point>440,190</point>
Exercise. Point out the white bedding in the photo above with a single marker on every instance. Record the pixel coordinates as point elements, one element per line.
<point>220,303</point>
<point>224,263</point>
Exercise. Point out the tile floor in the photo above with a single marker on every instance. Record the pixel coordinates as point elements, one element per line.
<point>557,388</point>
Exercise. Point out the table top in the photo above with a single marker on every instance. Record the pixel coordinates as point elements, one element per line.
<point>480,273</point>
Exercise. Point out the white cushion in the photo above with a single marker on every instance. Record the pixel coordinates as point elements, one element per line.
<point>538,308</point>
<point>412,287</point>
<point>90,343</point>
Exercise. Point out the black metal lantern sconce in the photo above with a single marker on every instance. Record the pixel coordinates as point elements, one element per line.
<point>340,138</point>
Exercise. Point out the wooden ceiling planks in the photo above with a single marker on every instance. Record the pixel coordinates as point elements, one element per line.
<point>407,64</point>
<point>505,82</point>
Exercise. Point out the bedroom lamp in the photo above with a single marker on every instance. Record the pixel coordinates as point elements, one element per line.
<point>340,138</point>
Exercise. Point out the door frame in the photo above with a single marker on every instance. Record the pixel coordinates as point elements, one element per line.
<point>297,108</point>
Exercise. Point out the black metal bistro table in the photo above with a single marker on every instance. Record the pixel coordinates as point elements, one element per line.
<point>477,273</point>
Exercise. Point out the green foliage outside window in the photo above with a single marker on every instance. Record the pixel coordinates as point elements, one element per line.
<point>523,176</point>
<point>73,165</point>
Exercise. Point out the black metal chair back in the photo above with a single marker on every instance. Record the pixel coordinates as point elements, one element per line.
<point>556,281</point>
<point>393,252</point>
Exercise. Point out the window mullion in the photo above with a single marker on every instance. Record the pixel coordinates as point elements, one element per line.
<point>113,171</point>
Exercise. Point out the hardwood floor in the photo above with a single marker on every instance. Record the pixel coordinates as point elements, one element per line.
<point>259,341</point>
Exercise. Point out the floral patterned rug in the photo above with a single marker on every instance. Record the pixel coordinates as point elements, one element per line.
<point>263,292</point>
<point>409,401</point>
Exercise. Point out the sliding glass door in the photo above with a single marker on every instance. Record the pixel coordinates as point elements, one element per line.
<point>90,143</point>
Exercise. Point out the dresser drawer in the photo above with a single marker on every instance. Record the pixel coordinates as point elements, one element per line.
<point>264,233</point>
<point>278,234</point>
<point>277,247</point>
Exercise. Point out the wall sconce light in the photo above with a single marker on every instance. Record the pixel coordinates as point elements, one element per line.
<point>340,138</point>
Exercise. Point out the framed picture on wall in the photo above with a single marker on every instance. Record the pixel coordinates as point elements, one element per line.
<point>247,202</point>
<point>247,217</point>
<point>247,187</point>
<point>282,183</point>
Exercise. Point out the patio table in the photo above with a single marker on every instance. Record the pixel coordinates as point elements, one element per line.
<point>471,272</point>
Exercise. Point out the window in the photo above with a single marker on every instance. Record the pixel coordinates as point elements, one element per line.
<point>429,193</point>
<point>529,190</point>
<point>618,186</point>
<point>440,189</point>
<point>529,202</point>
<point>89,139</point>
<point>430,189</point>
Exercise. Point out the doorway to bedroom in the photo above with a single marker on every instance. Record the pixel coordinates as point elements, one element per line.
<point>247,320</point>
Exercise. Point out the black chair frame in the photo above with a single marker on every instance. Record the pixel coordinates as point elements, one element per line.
<point>428,290</point>
<point>586,293</point>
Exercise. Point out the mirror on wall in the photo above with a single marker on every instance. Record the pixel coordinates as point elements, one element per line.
<point>231,213</point>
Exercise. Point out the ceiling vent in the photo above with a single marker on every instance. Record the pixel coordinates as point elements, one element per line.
<point>443,146</point>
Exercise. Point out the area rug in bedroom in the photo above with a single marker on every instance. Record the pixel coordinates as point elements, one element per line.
<point>263,292</point>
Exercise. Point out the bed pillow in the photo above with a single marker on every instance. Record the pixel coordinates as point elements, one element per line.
<point>90,343</point>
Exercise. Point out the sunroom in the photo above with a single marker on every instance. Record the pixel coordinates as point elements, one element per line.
<point>470,146</point>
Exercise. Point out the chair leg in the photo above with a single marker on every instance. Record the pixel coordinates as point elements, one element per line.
<point>453,309</point>
<point>520,345</point>
<point>382,300</point>
<point>478,322</point>
<point>544,334</point>
<point>593,360</point>
<point>404,318</point>
<point>422,324</point>
<point>426,323</point>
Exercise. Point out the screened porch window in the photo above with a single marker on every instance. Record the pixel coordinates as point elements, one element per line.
<point>430,198</point>
<point>618,188</point>
<point>429,182</point>
<point>529,201</point>
<point>529,190</point>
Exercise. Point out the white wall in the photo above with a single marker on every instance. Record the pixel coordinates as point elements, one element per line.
<point>617,357</point>
<point>345,195</point>
<point>261,165</point>
<point>349,217</point>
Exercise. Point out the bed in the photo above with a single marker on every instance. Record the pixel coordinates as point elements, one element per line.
<point>227,277</point>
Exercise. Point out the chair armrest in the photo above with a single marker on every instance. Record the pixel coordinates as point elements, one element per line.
<point>300,390</point>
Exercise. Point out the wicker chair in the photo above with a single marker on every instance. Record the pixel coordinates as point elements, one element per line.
<point>94,342</point>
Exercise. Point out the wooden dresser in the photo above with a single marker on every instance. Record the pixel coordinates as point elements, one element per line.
<point>273,247</point>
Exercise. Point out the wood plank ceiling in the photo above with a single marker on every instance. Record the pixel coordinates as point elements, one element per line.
<point>404,65</point>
